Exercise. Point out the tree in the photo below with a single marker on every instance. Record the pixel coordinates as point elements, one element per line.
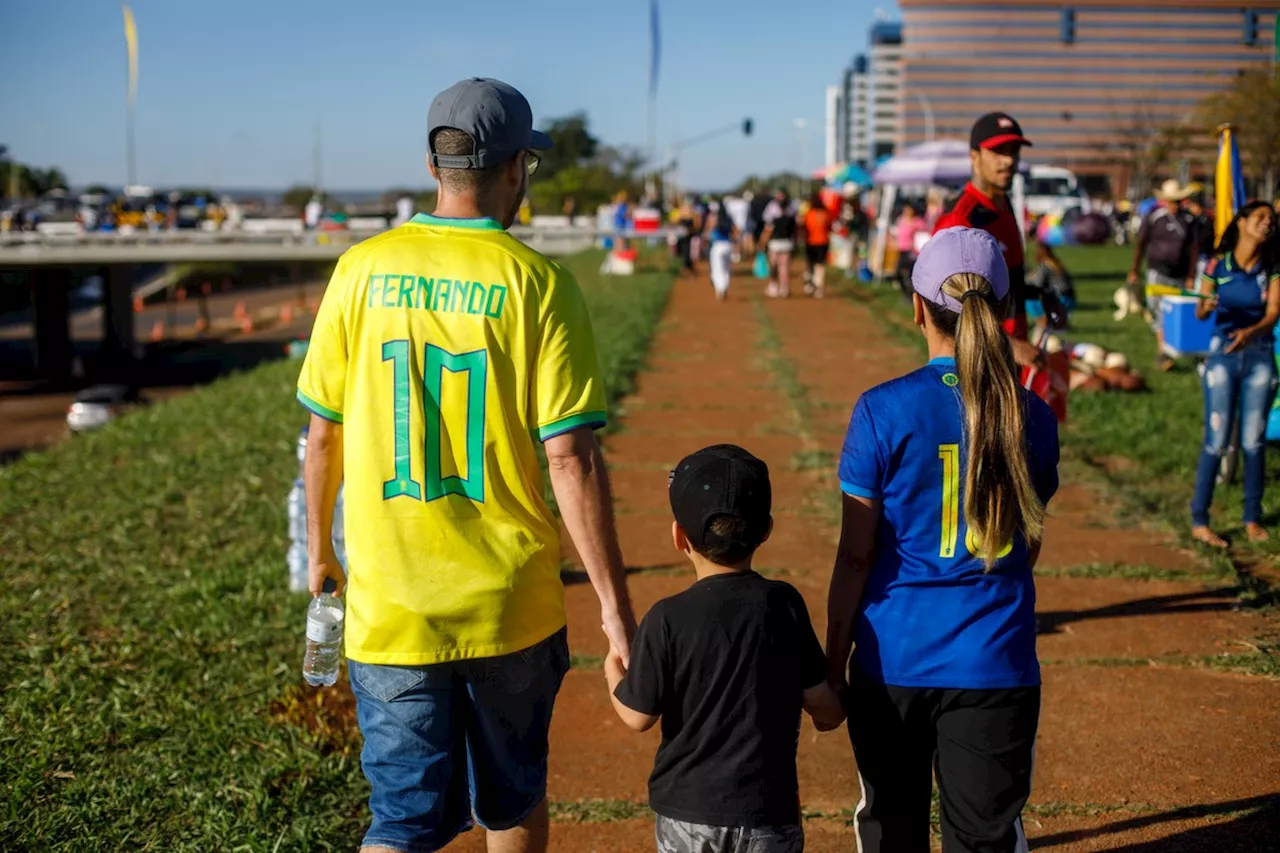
<point>572,143</point>
<point>1143,141</point>
<point>1251,104</point>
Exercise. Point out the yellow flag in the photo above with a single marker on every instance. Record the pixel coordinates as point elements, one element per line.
<point>131,43</point>
<point>1228,182</point>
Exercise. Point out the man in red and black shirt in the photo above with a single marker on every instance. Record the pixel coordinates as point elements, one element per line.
<point>995,148</point>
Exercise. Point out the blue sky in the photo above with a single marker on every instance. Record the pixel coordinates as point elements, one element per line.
<point>230,91</point>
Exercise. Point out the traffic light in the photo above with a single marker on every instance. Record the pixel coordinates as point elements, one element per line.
<point>747,125</point>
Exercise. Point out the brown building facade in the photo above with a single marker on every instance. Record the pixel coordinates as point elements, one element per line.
<point>1085,79</point>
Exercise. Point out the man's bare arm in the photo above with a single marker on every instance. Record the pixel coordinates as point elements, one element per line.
<point>581,486</point>
<point>323,471</point>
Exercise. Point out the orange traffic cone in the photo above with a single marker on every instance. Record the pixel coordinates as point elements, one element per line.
<point>241,312</point>
<point>157,332</point>
<point>246,324</point>
<point>286,313</point>
<point>202,325</point>
<point>314,306</point>
<point>137,304</point>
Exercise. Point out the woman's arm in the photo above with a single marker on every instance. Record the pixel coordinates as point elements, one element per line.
<point>854,556</point>
<point>1208,287</point>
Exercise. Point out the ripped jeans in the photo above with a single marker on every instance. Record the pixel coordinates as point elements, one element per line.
<point>1239,385</point>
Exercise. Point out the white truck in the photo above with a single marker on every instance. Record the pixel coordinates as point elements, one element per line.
<point>1050,189</point>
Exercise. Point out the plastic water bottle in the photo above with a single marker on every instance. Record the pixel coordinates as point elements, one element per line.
<point>339,531</point>
<point>302,448</point>
<point>297,560</point>
<point>325,617</point>
<point>298,512</point>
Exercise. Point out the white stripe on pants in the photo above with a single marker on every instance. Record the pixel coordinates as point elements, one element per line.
<point>721,265</point>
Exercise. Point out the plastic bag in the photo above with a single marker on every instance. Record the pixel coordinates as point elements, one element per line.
<point>760,267</point>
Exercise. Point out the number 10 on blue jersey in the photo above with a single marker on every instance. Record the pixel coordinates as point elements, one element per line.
<point>435,362</point>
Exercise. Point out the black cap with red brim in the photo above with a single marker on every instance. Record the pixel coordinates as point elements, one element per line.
<point>995,129</point>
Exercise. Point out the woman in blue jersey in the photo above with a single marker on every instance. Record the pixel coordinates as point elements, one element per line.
<point>1243,285</point>
<point>945,472</point>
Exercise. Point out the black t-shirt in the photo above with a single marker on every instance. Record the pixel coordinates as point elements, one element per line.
<point>726,663</point>
<point>1171,242</point>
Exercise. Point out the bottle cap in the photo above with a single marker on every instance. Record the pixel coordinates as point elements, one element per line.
<point>329,586</point>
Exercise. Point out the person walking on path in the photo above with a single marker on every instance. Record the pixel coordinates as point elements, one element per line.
<point>727,665</point>
<point>995,149</point>
<point>779,239</point>
<point>723,235</point>
<point>818,222</point>
<point>1168,240</point>
<point>1242,284</point>
<point>443,349</point>
<point>945,474</point>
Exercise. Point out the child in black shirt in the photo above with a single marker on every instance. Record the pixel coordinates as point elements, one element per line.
<point>727,665</point>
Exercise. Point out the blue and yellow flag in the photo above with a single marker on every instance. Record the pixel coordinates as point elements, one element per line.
<point>1228,182</point>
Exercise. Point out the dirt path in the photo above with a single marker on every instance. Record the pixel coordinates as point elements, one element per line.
<point>1142,748</point>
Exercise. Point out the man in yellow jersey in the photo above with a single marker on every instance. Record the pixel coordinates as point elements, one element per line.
<point>443,351</point>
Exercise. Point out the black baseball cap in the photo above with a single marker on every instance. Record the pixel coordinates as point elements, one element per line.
<point>494,114</point>
<point>717,481</point>
<point>996,129</point>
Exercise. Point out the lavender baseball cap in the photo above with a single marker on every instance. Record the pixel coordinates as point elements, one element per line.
<point>957,250</point>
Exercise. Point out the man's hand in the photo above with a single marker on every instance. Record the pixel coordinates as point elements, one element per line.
<point>326,567</point>
<point>620,628</point>
<point>1027,354</point>
<point>615,669</point>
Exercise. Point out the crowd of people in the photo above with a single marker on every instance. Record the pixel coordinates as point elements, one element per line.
<point>456,636</point>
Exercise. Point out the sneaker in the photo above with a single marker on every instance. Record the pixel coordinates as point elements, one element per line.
<point>772,290</point>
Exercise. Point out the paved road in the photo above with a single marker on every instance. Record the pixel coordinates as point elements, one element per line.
<point>33,414</point>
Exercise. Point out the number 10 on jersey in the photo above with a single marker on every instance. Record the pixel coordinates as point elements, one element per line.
<point>435,362</point>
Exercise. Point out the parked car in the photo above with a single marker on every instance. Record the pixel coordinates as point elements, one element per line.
<point>99,405</point>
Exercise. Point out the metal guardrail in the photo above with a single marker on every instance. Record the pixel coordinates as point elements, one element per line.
<point>26,249</point>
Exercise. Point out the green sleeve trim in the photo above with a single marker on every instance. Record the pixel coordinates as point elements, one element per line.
<point>319,408</point>
<point>595,420</point>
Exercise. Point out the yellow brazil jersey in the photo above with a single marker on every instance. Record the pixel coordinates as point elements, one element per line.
<point>446,348</point>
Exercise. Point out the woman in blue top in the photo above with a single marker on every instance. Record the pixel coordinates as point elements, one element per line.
<point>1243,286</point>
<point>945,472</point>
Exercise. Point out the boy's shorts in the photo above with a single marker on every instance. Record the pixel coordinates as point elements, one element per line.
<point>1153,301</point>
<point>677,836</point>
<point>448,740</point>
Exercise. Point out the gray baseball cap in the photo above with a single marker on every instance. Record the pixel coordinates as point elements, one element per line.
<point>956,250</point>
<point>496,116</point>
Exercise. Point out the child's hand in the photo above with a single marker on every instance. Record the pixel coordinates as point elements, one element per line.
<point>824,706</point>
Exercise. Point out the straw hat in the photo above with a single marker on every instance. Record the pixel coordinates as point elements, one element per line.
<point>1171,190</point>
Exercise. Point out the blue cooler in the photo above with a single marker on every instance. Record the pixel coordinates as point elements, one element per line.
<point>1183,333</point>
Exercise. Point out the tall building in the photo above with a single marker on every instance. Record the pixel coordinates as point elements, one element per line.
<point>831,131</point>
<point>884,97</point>
<point>866,113</point>
<point>1086,79</point>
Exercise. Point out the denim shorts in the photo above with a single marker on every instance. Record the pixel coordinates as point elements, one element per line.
<point>448,741</point>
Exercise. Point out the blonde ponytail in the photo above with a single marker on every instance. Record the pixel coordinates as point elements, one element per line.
<point>999,497</point>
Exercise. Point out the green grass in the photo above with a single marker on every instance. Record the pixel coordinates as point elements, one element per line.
<point>150,694</point>
<point>1142,572</point>
<point>597,811</point>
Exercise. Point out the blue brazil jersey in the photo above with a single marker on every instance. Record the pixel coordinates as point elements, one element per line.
<point>931,615</point>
